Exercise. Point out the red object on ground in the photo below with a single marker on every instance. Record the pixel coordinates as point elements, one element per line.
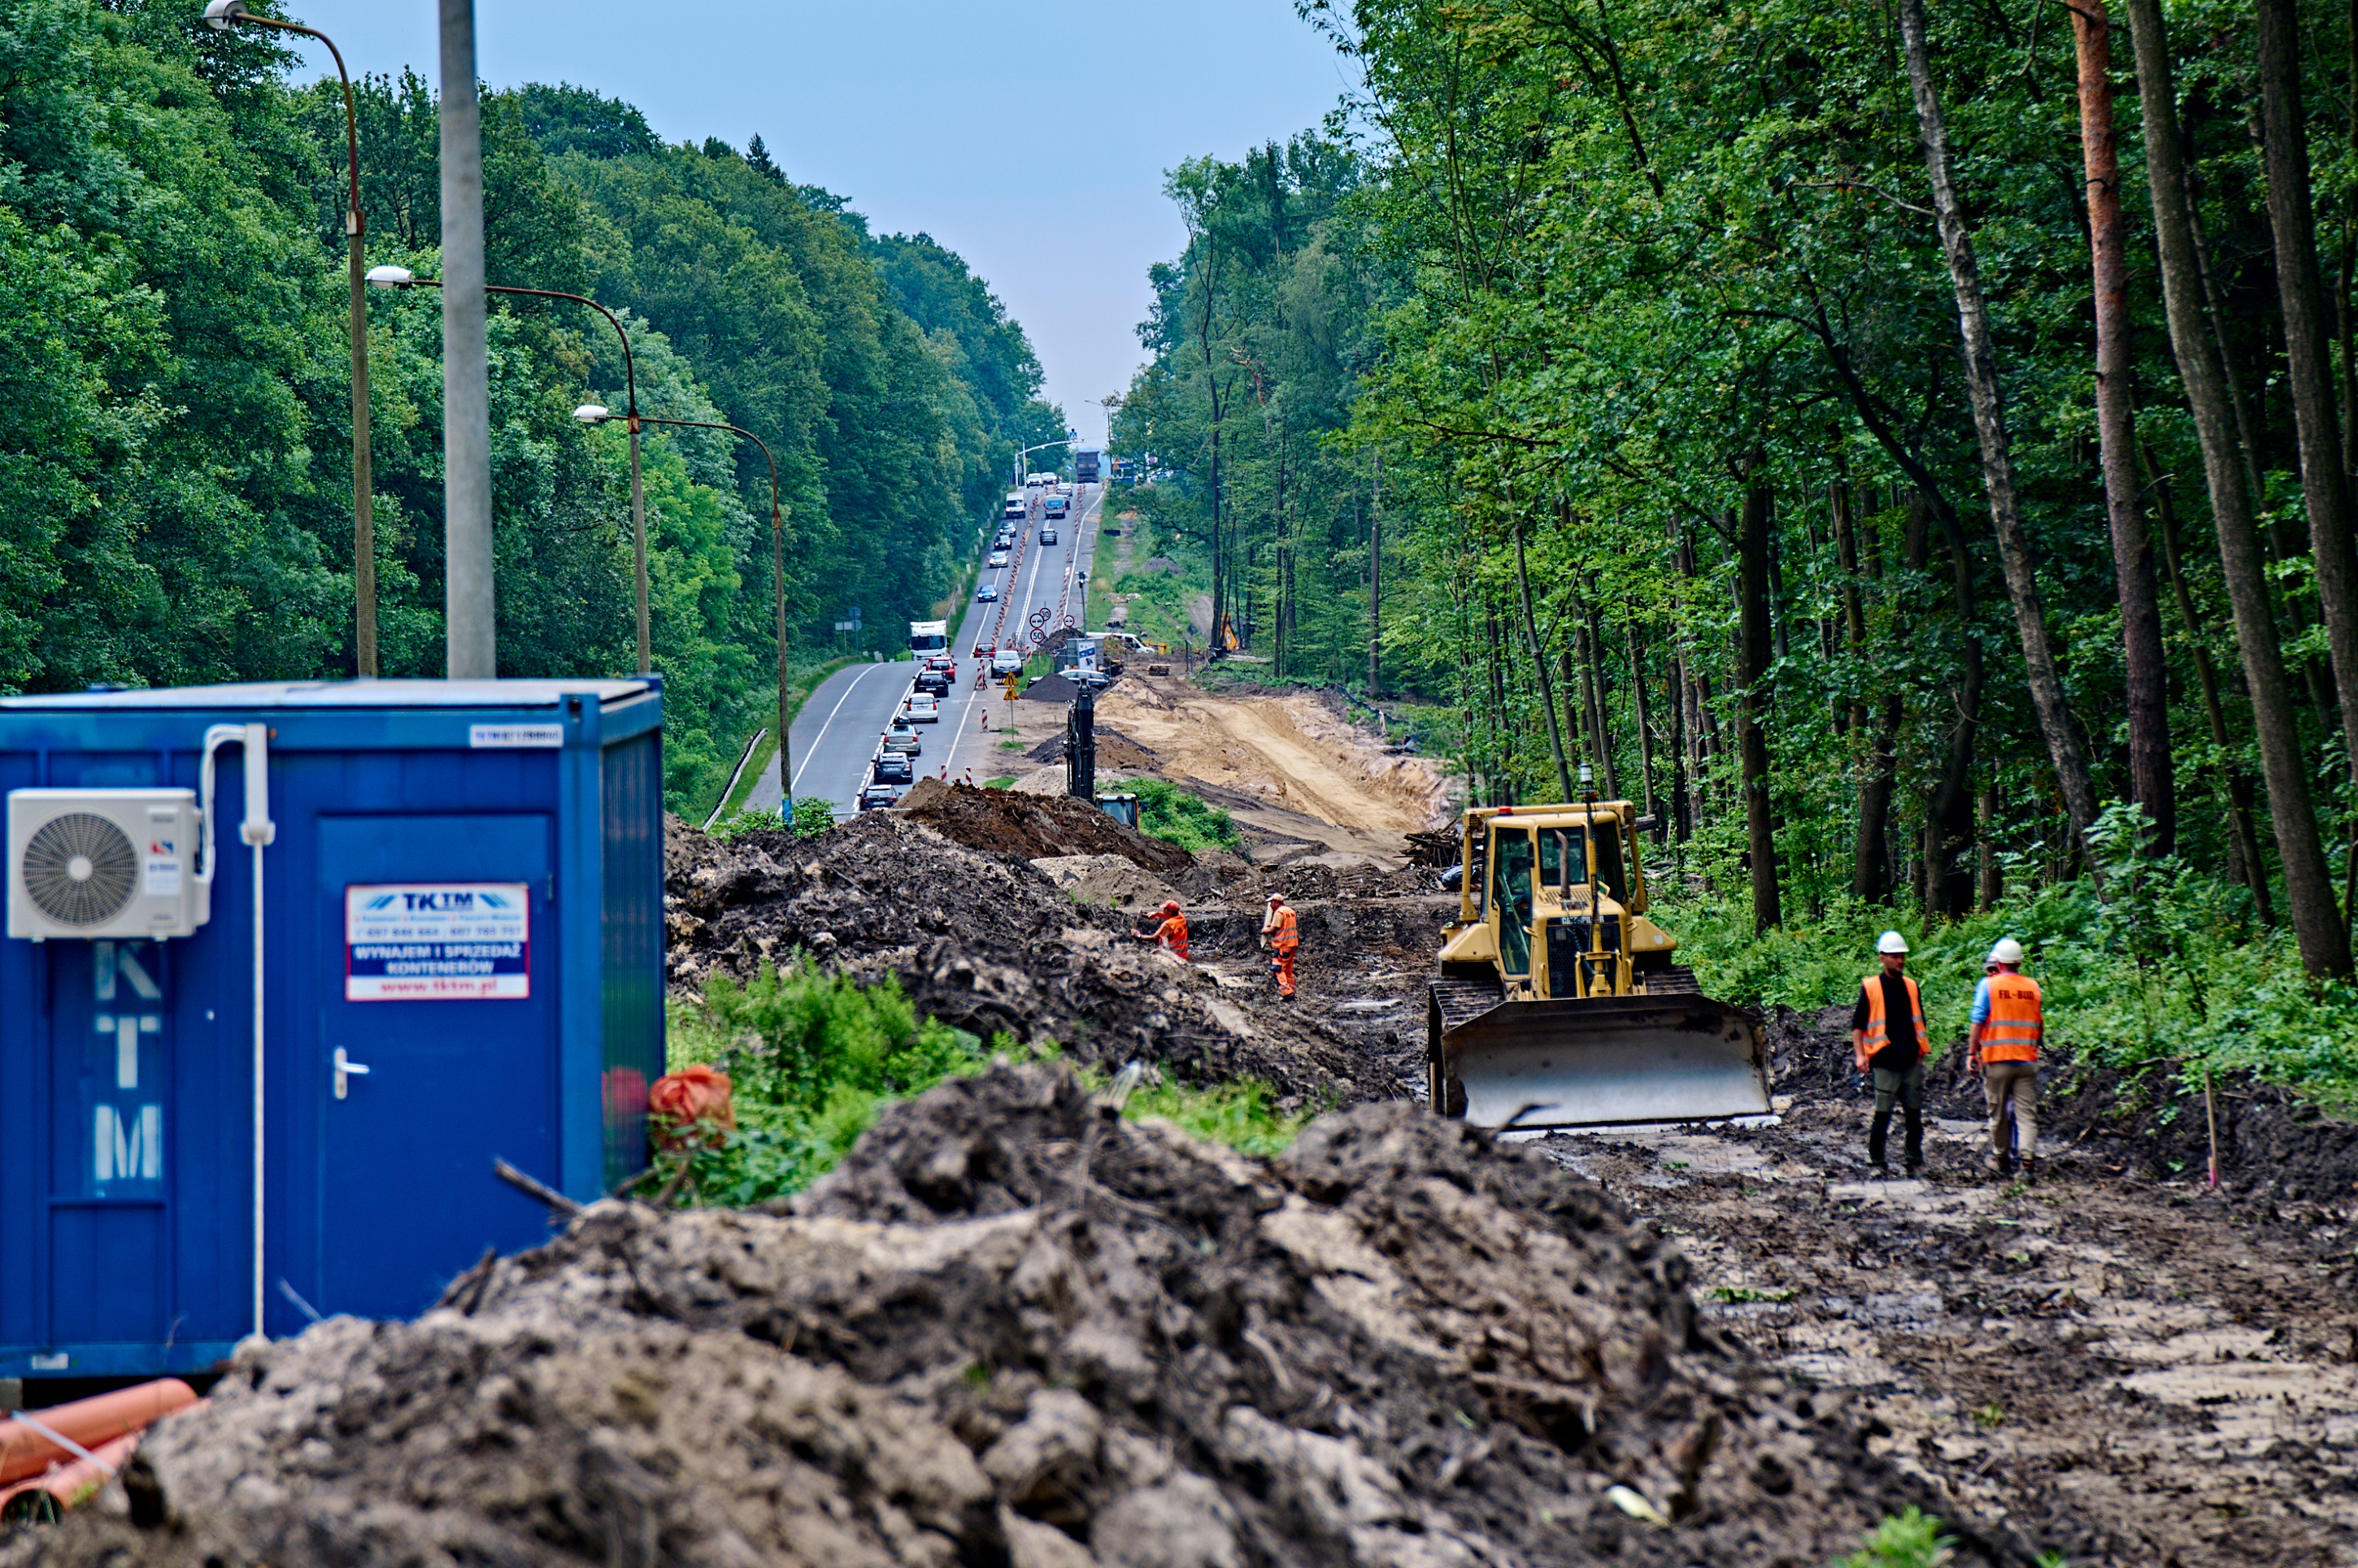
<point>92,1423</point>
<point>695,1102</point>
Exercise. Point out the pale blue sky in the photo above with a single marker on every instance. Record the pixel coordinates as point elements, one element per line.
<point>1029,135</point>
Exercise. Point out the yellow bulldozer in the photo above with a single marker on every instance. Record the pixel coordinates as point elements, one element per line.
<point>1557,1003</point>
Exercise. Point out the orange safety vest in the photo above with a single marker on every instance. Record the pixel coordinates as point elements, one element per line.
<point>1172,934</point>
<point>2015,1027</point>
<point>1286,938</point>
<point>1878,1027</point>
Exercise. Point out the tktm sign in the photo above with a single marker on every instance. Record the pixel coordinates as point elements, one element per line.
<point>438,941</point>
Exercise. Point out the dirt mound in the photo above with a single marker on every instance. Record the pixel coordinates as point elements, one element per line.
<point>1036,826</point>
<point>986,942</point>
<point>1115,749</point>
<point>1011,1330</point>
<point>1105,879</point>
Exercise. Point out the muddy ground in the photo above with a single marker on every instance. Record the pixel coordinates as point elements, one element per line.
<point>2127,1367</point>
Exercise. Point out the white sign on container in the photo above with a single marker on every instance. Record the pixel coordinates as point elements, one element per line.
<point>438,941</point>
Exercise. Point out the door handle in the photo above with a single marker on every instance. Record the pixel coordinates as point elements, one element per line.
<point>344,1069</point>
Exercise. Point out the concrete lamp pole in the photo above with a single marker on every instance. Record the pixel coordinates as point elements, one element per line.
<point>221,15</point>
<point>593,413</point>
<point>402,278</point>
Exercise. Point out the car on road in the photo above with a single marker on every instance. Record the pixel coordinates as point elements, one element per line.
<point>1007,662</point>
<point>923,708</point>
<point>900,736</point>
<point>1047,535</point>
<point>879,796</point>
<point>891,767</point>
<point>986,594</point>
<point>935,683</point>
<point>1055,506</point>
<point>942,663</point>
<point>998,559</point>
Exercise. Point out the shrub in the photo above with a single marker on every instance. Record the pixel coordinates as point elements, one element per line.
<point>1171,814</point>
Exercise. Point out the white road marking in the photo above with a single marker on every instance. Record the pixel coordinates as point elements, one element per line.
<point>810,753</point>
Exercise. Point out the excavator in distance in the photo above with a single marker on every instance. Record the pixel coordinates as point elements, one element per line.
<point>1557,1003</point>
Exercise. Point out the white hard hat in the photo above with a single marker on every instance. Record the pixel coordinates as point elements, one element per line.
<point>1891,942</point>
<point>2007,951</point>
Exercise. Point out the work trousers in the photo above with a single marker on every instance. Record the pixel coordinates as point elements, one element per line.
<point>2014,1082</point>
<point>1906,1090</point>
<point>1284,964</point>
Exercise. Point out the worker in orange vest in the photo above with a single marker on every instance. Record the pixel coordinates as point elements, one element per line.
<point>1170,932</point>
<point>1886,1038</point>
<point>2003,1049</point>
<point>1282,935</point>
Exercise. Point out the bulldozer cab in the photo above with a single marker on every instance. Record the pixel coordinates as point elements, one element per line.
<point>1557,1003</point>
<point>1554,892</point>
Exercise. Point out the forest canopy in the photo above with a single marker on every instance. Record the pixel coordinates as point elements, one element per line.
<point>175,428</point>
<point>1907,446</point>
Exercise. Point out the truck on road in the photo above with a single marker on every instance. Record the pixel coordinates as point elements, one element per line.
<point>929,637</point>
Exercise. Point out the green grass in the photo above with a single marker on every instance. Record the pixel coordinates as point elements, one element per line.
<point>814,1057</point>
<point>1908,1539</point>
<point>1173,815</point>
<point>1741,1294</point>
<point>1004,780</point>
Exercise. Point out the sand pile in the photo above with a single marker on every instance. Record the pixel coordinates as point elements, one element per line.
<point>1011,1330</point>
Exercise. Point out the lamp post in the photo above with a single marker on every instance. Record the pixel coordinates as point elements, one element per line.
<point>402,278</point>
<point>595,414</point>
<point>221,15</point>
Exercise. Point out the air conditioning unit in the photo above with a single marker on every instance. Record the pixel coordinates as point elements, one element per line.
<point>104,863</point>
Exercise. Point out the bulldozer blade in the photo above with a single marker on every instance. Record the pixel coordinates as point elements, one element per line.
<point>1608,1062</point>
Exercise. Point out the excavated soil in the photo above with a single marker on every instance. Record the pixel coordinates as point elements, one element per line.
<point>1035,827</point>
<point>986,942</point>
<point>1115,749</point>
<point>1014,1330</point>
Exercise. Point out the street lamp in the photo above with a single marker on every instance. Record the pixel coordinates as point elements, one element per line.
<point>221,15</point>
<point>597,413</point>
<point>402,278</point>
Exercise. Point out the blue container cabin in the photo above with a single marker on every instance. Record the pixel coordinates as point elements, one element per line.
<point>528,812</point>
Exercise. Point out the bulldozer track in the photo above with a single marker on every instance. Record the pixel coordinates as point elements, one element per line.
<point>1458,1000</point>
<point>1678,979</point>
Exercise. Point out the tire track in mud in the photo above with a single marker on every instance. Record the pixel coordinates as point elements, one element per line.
<point>2129,1372</point>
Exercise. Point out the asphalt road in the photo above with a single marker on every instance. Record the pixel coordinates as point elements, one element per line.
<point>835,735</point>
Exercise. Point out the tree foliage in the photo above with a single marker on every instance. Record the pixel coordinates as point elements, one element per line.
<point>175,439</point>
<point>1656,292</point>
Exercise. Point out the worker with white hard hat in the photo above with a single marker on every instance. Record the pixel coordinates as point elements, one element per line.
<point>1887,1039</point>
<point>2003,1049</point>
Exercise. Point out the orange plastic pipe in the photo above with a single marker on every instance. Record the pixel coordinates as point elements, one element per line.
<point>92,1423</point>
<point>67,1483</point>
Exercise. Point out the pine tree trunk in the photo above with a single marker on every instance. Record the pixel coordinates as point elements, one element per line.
<point>2151,779</point>
<point>1595,672</point>
<point>2055,722</point>
<point>2316,919</point>
<point>2308,355</point>
<point>1645,731</point>
<point>2242,838</point>
<point>1870,877</point>
<point>1752,574</point>
<point>1375,584</point>
<point>1952,803</point>
<point>1539,666</point>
